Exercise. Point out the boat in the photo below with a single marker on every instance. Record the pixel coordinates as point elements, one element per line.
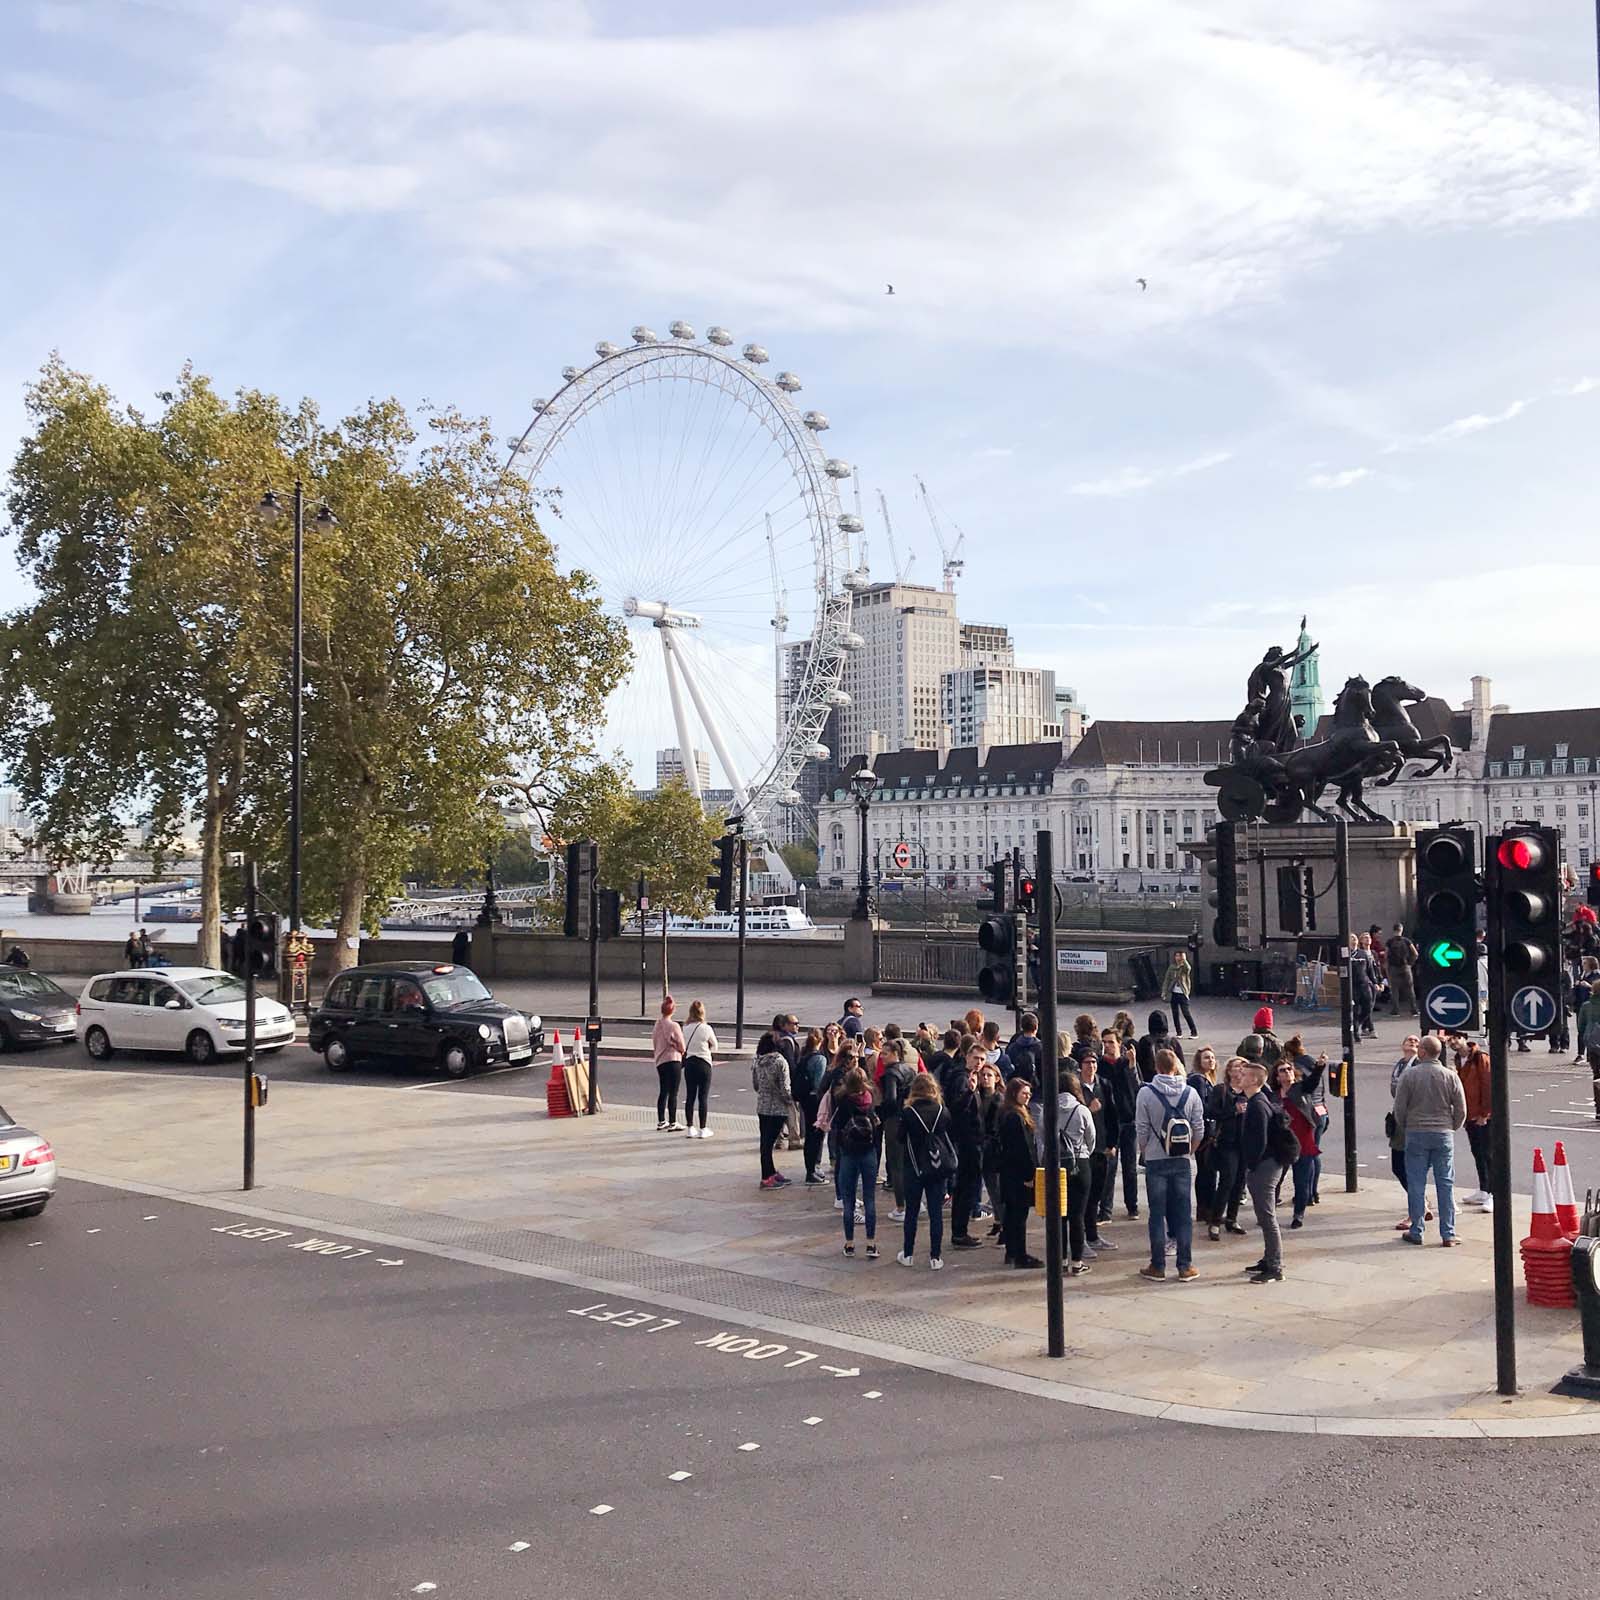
<point>761,922</point>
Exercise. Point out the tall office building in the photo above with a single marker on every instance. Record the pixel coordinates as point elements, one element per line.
<point>670,767</point>
<point>911,637</point>
<point>985,644</point>
<point>986,705</point>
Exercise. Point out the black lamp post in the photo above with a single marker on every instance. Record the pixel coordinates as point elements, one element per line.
<point>862,784</point>
<point>270,511</point>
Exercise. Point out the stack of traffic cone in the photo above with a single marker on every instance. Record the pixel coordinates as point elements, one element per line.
<point>556,1099</point>
<point>1566,1197</point>
<point>1546,1255</point>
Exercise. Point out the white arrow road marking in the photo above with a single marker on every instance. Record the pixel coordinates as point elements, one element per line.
<point>398,1261</point>
<point>678,1477</point>
<point>842,1372</point>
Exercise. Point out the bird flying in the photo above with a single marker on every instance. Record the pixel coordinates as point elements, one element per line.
<point>890,289</point>
<point>1142,284</point>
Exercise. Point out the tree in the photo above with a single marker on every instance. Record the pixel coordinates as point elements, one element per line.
<point>801,860</point>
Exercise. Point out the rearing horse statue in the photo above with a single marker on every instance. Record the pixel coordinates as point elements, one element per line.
<point>1392,721</point>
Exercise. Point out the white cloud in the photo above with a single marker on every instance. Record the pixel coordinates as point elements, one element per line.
<point>1338,480</point>
<point>1476,423</point>
<point>1582,386</point>
<point>1135,480</point>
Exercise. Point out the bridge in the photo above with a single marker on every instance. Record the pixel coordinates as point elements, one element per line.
<point>68,888</point>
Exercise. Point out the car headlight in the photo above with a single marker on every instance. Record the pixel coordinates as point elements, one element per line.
<point>27,1016</point>
<point>535,1024</point>
<point>485,1031</point>
<point>229,1022</point>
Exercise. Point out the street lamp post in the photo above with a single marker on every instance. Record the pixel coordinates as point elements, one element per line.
<point>862,784</point>
<point>270,511</point>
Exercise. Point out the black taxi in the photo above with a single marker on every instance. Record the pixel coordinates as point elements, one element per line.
<point>420,1014</point>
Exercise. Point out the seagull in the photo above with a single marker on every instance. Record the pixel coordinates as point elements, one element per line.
<point>890,289</point>
<point>1142,284</point>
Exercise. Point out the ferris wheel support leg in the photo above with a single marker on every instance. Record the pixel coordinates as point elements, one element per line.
<point>691,767</point>
<point>714,733</point>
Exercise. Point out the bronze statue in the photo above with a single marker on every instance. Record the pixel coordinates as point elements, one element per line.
<point>1393,721</point>
<point>1269,683</point>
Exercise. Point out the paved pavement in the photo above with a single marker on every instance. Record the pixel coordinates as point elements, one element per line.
<point>1364,1335</point>
<point>210,1409</point>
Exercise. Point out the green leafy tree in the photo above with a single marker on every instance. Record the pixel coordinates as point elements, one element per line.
<point>801,860</point>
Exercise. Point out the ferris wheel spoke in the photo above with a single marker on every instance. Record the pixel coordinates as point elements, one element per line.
<point>737,559</point>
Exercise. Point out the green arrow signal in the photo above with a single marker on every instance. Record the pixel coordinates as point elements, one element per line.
<point>1446,953</point>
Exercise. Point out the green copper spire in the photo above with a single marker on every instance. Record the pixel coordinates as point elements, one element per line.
<point>1305,689</point>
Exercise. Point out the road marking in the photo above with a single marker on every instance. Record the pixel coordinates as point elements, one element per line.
<point>1555,1127</point>
<point>601,1510</point>
<point>391,1261</point>
<point>313,1244</point>
<point>872,1394</point>
<point>626,1317</point>
<point>749,1447</point>
<point>424,1588</point>
<point>91,1230</point>
<point>678,1477</point>
<point>842,1372</point>
<point>519,1546</point>
<point>811,1422</point>
<point>36,1243</point>
<point>152,1217</point>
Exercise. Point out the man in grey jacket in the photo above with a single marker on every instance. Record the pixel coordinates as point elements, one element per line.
<point>1429,1105</point>
<point>1165,1107</point>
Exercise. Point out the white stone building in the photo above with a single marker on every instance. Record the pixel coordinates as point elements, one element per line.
<point>984,704</point>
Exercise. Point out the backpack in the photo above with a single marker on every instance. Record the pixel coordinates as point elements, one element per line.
<point>1177,1131</point>
<point>1283,1143</point>
<point>941,1159</point>
<point>858,1132</point>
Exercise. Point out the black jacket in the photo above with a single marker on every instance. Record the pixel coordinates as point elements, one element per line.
<point>990,1107</point>
<point>919,1129</point>
<point>897,1076</point>
<point>1256,1121</point>
<point>966,1126</point>
<point>1026,1055</point>
<point>1156,1039</point>
<point>1122,1085</point>
<point>1016,1150</point>
<point>1224,1110</point>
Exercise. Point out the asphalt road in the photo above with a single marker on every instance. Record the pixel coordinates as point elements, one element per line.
<point>203,1408</point>
<point>1551,1097</point>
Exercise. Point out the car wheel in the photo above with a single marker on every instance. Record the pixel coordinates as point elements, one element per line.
<point>98,1043</point>
<point>455,1060</point>
<point>201,1048</point>
<point>28,1211</point>
<point>336,1054</point>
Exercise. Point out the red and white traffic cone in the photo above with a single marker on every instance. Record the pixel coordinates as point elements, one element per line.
<point>1546,1255</point>
<point>1565,1195</point>
<point>556,1100</point>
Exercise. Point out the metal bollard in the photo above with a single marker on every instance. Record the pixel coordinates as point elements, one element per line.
<point>1584,1381</point>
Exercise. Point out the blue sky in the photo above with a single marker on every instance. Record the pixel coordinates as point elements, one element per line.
<point>1364,380</point>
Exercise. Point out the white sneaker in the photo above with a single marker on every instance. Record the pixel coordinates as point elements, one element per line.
<point>674,1127</point>
<point>705,1133</point>
<point>861,1213</point>
<point>936,1263</point>
<point>903,1259</point>
<point>1476,1198</point>
<point>694,1133</point>
<point>897,1215</point>
<point>1488,1203</point>
<point>661,1127</point>
<point>838,1204</point>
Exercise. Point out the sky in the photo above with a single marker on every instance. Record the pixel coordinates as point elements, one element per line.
<point>1362,381</point>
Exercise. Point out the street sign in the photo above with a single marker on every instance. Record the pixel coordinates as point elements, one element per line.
<point>1080,960</point>
<point>1448,1005</point>
<point>901,855</point>
<point>1532,1009</point>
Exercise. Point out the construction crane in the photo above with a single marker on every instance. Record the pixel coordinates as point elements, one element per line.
<point>900,572</point>
<point>951,554</point>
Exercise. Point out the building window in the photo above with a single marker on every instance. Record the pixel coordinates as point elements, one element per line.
<point>1518,751</point>
<point>1536,769</point>
<point>1538,811</point>
<point>1580,765</point>
<point>1559,766</point>
<point>1561,750</point>
<point>1516,769</point>
<point>1561,812</point>
<point>1497,769</point>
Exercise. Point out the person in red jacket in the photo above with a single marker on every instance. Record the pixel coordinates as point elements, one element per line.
<point>1296,1081</point>
<point>1472,1066</point>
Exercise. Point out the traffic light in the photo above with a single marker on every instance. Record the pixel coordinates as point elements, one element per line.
<point>1003,955</point>
<point>260,955</point>
<point>1524,883</point>
<point>1027,894</point>
<point>1291,900</point>
<point>1592,894</point>
<point>610,901</point>
<point>721,879</point>
<point>998,873</point>
<point>1224,867</point>
<point>1447,928</point>
<point>581,863</point>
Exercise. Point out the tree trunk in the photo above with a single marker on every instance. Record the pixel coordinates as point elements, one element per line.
<point>352,902</point>
<point>209,952</point>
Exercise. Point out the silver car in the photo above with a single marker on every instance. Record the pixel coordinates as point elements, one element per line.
<point>27,1169</point>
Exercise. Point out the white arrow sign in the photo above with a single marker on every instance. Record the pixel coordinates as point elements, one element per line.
<point>398,1261</point>
<point>842,1372</point>
<point>1532,1009</point>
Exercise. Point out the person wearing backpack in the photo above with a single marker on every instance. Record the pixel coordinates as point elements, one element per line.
<point>893,1087</point>
<point>858,1127</point>
<point>1017,1165</point>
<point>930,1164</point>
<point>1075,1139</point>
<point>807,1086</point>
<point>1268,1144</point>
<point>1169,1121</point>
<point>1403,956</point>
<point>699,1045</point>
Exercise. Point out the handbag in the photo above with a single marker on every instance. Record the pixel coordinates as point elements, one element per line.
<point>824,1118</point>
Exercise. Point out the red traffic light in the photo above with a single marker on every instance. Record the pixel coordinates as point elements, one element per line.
<point>1521,853</point>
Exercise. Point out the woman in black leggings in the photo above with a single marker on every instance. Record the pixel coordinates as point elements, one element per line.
<point>699,1044</point>
<point>666,1046</point>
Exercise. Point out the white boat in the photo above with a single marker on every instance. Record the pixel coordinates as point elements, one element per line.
<point>761,922</point>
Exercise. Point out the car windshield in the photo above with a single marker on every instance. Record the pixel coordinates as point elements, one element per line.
<point>15,985</point>
<point>453,988</point>
<point>212,988</point>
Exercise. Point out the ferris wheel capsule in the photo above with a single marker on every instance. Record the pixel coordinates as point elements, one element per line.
<point>820,752</point>
<point>605,349</point>
<point>816,421</point>
<point>857,579</point>
<point>755,354</point>
<point>840,697</point>
<point>853,641</point>
<point>718,336</point>
<point>570,373</point>
<point>540,407</point>
<point>787,382</point>
<point>835,468</point>
<point>850,523</point>
<point>790,797</point>
<point>680,330</point>
<point>643,335</point>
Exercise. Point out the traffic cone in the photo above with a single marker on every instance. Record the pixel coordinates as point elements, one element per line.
<point>1566,1197</point>
<point>556,1099</point>
<point>1544,1227</point>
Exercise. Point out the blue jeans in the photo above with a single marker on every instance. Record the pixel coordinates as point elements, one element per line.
<point>1435,1153</point>
<point>1306,1171</point>
<point>863,1170</point>
<point>1168,1185</point>
<point>931,1186</point>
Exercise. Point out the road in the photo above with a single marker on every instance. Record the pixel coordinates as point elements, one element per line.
<point>205,1408</point>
